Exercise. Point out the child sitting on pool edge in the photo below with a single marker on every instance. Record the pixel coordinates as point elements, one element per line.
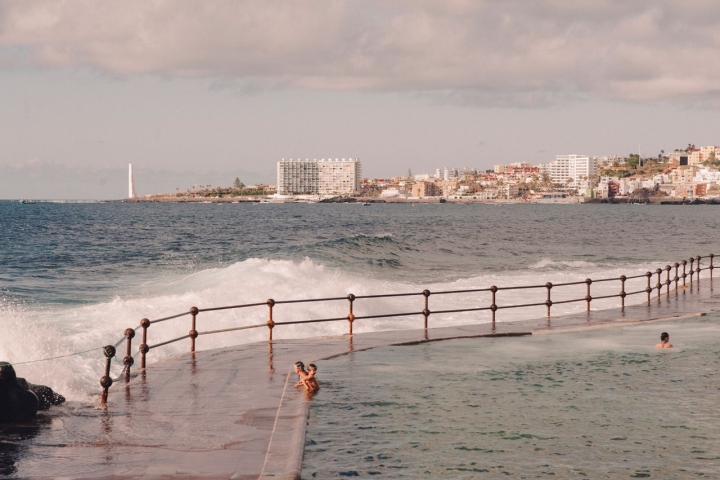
<point>307,378</point>
<point>311,383</point>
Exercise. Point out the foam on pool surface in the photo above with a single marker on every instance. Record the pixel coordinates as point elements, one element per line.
<point>589,404</point>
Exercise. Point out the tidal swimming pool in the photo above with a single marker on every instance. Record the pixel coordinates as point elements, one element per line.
<point>592,404</point>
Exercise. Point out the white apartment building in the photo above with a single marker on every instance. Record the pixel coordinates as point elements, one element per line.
<point>318,177</point>
<point>570,167</point>
<point>446,173</point>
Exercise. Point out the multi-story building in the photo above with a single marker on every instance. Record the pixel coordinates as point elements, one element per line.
<point>425,189</point>
<point>318,177</point>
<point>570,169</point>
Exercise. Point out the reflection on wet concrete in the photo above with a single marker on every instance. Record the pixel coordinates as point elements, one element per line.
<point>15,443</point>
<point>229,413</point>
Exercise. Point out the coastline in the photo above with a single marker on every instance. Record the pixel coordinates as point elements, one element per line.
<point>423,200</point>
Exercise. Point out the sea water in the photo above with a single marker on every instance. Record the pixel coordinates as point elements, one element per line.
<point>74,276</point>
<point>592,404</point>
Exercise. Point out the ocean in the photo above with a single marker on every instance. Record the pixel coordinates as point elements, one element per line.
<point>73,276</point>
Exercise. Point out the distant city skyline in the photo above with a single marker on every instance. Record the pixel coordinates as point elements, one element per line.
<point>88,87</point>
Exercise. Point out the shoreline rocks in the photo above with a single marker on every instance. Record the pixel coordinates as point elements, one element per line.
<point>21,400</point>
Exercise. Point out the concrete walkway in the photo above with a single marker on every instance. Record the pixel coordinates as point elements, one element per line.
<point>233,412</point>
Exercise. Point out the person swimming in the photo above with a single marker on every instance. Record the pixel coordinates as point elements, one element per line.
<point>664,341</point>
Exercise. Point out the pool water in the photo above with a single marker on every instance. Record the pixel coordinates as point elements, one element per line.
<point>592,404</point>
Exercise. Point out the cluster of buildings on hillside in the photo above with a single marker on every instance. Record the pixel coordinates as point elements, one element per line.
<point>689,173</point>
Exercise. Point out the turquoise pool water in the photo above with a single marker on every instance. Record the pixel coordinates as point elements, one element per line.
<point>592,404</point>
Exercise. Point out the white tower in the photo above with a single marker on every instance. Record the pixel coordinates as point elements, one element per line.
<point>131,183</point>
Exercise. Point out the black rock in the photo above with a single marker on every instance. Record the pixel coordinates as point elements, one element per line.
<point>17,405</point>
<point>46,395</point>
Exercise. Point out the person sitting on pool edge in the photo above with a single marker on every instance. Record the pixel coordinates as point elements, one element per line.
<point>664,341</point>
<point>307,379</point>
<point>300,370</point>
<point>311,383</point>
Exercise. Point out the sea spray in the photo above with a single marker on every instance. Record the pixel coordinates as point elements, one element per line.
<point>37,333</point>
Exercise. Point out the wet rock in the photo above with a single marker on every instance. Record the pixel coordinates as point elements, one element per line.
<point>17,405</point>
<point>46,395</point>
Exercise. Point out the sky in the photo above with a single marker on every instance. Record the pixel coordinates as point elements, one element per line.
<point>199,93</point>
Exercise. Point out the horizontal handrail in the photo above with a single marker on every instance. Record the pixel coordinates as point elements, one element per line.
<point>689,269</point>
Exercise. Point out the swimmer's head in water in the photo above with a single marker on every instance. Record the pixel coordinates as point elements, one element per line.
<point>312,367</point>
<point>664,336</point>
<point>299,365</point>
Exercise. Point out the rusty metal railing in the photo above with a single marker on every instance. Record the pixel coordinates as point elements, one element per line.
<point>690,268</point>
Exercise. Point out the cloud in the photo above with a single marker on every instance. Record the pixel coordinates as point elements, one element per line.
<point>514,53</point>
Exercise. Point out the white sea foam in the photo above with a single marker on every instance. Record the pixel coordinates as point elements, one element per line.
<point>38,333</point>
<point>548,264</point>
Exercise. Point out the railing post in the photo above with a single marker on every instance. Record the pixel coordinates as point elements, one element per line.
<point>548,302</point>
<point>128,360</point>
<point>648,289</point>
<point>106,381</point>
<point>351,315</point>
<point>270,322</point>
<point>588,298</point>
<point>493,305</point>
<point>684,275</point>
<point>622,292</point>
<point>698,267</point>
<point>426,310</point>
<point>711,265</point>
<point>692,270</point>
<point>659,283</point>
<point>144,323</point>
<point>667,280</point>
<point>677,278</point>
<point>193,334</point>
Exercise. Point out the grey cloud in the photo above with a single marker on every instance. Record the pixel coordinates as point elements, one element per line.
<point>515,53</point>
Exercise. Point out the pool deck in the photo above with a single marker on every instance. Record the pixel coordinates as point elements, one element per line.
<point>234,413</point>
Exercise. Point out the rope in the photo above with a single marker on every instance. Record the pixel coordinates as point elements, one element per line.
<point>53,358</point>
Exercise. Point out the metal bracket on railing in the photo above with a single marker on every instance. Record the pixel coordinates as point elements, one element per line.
<point>128,360</point>
<point>270,322</point>
<point>106,382</point>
